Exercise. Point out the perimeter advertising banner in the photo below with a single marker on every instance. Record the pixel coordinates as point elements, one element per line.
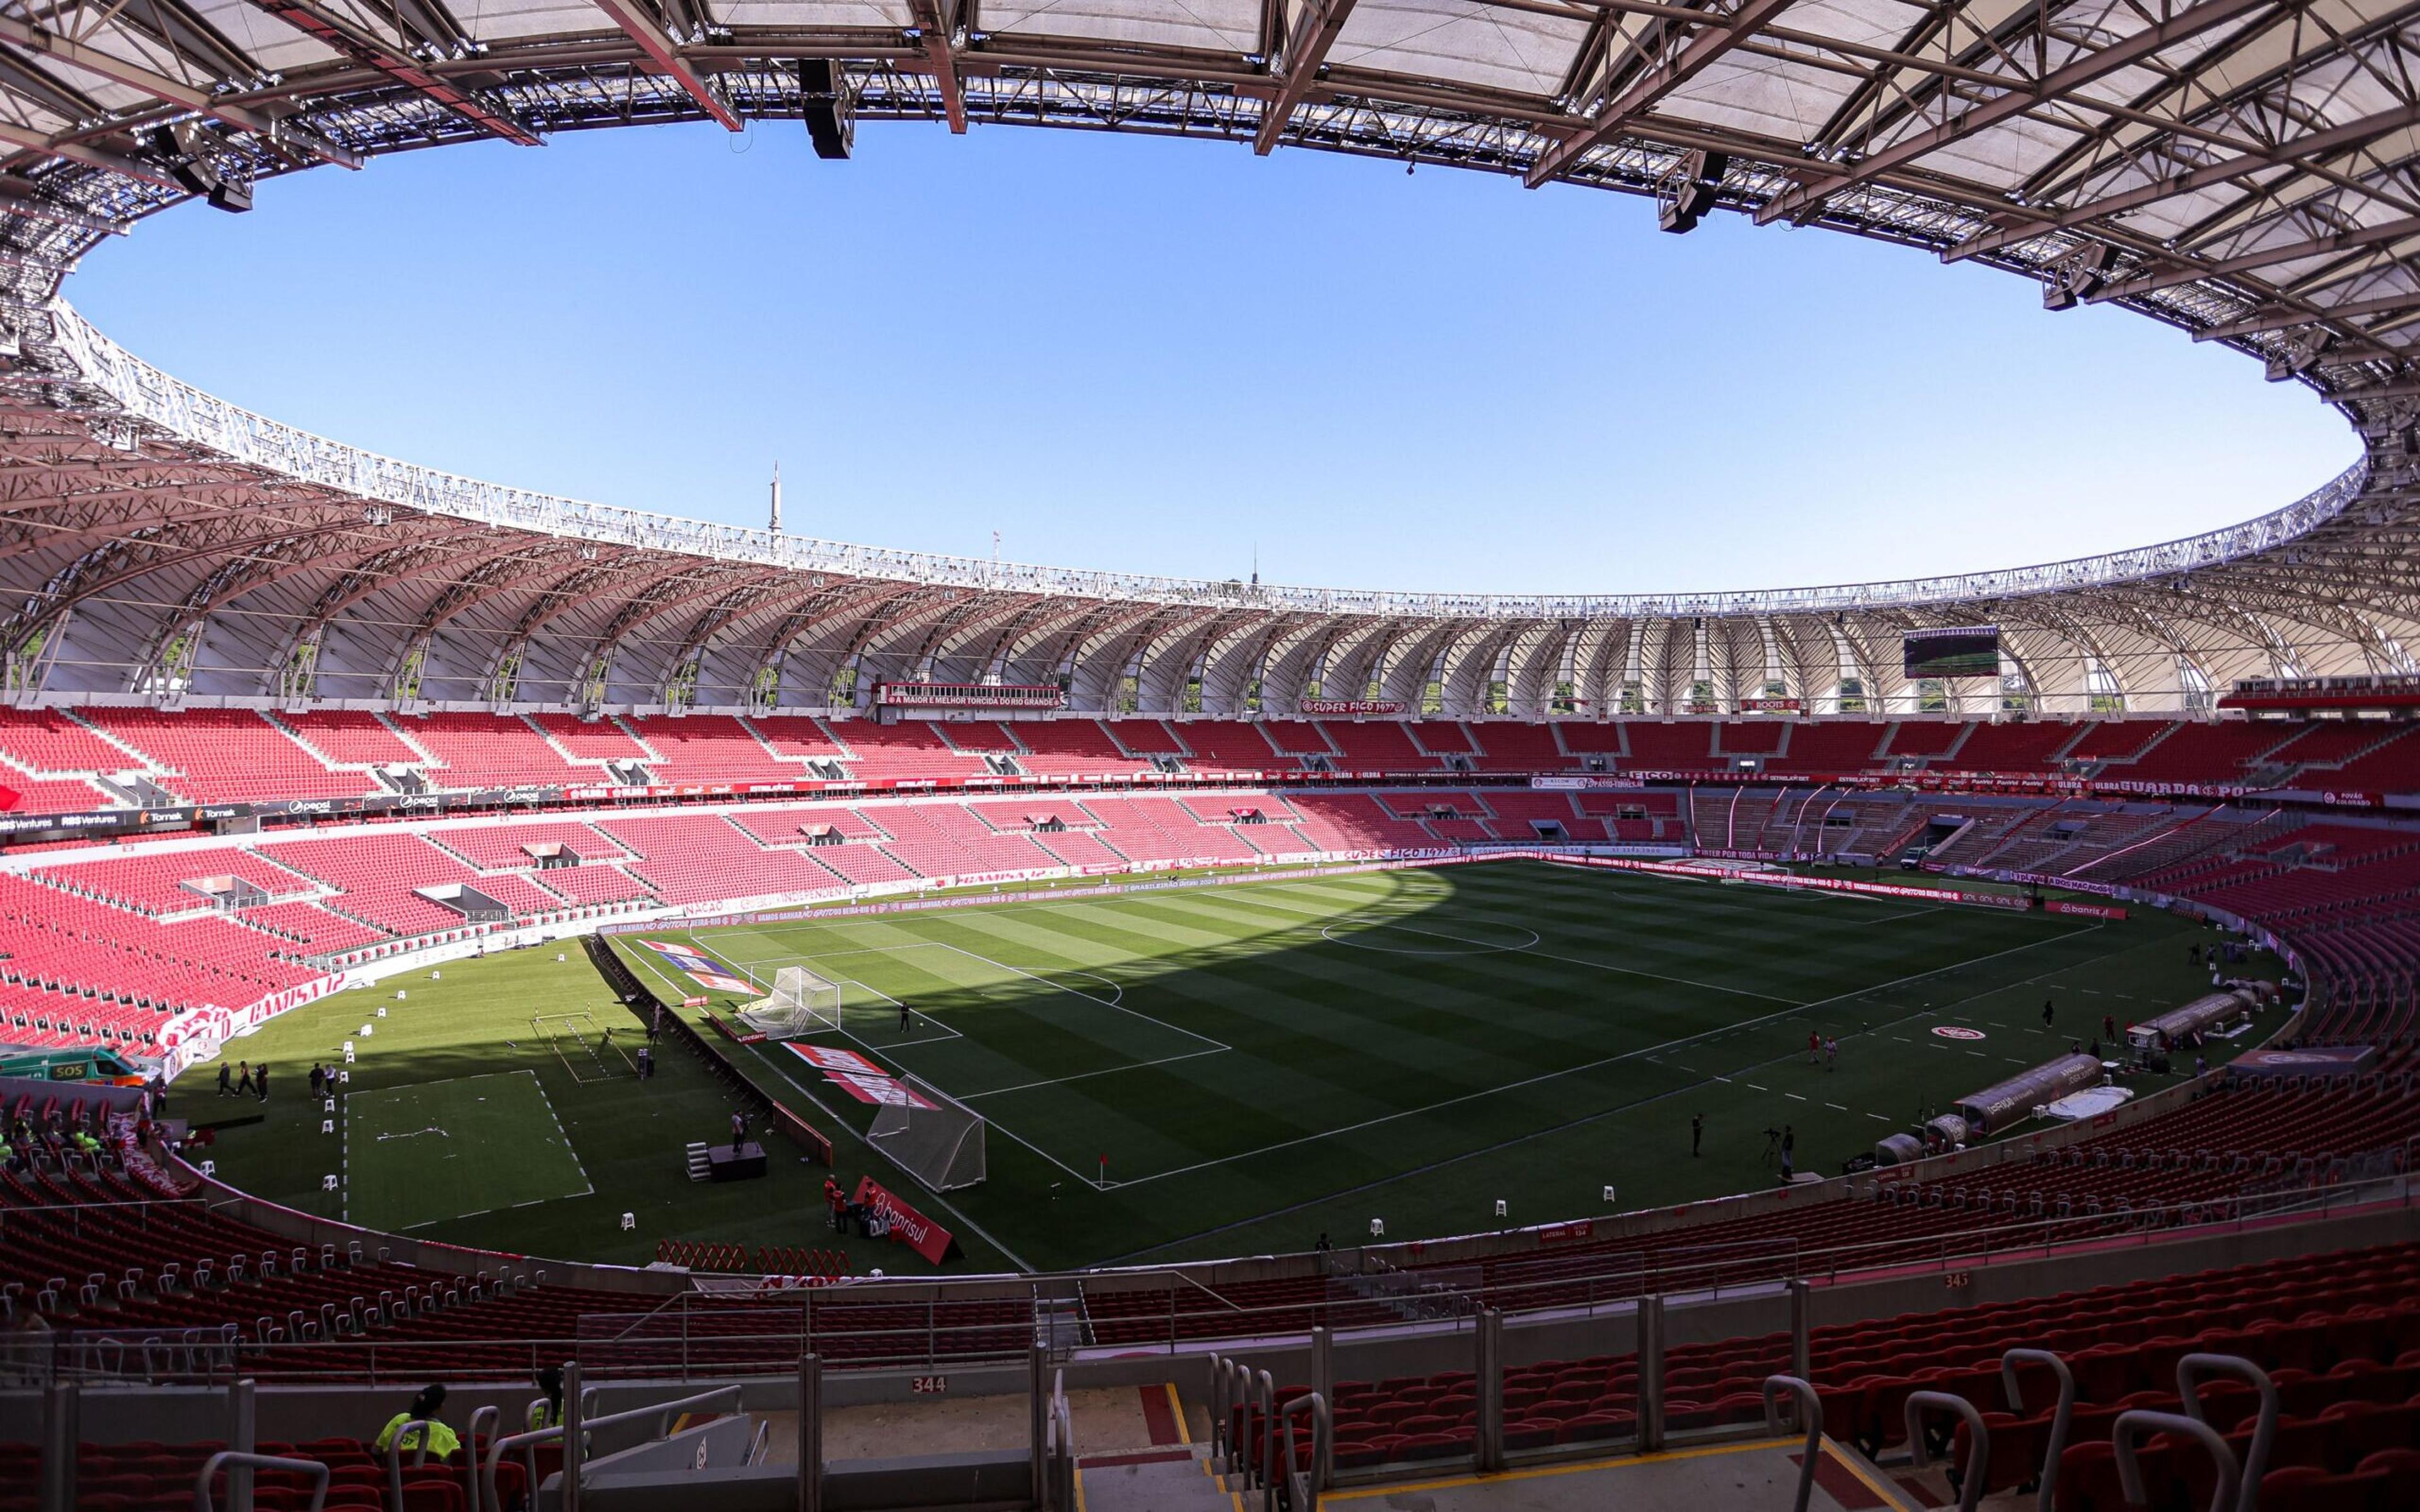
<point>908,1227</point>
<point>704,972</point>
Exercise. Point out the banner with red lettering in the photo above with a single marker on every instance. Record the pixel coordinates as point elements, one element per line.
<point>906,1225</point>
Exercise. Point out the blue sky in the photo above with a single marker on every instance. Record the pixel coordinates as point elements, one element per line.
<point>1155,355</point>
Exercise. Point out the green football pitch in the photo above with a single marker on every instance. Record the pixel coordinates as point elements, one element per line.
<point>439,1150</point>
<point>1241,1068</point>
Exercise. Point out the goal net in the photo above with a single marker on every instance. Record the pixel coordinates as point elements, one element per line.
<point>802,1003</point>
<point>934,1137</point>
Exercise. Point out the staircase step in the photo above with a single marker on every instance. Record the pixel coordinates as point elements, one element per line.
<point>1165,1486</point>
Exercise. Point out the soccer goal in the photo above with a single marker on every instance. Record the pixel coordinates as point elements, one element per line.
<point>802,1003</point>
<point>934,1137</point>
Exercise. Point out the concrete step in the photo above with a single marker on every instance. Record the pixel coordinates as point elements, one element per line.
<point>1162,1485</point>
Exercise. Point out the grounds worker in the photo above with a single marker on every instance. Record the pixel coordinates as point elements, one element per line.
<point>547,1411</point>
<point>441,1442</point>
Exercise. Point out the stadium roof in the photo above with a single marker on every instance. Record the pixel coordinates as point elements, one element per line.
<point>2248,170</point>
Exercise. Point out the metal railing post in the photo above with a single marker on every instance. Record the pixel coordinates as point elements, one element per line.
<point>1979,1441</point>
<point>416,1430</point>
<point>1264,1386</point>
<point>1810,1414</point>
<point>1038,1411</point>
<point>62,1408</point>
<point>2061,1420</point>
<point>1650,1372</point>
<point>243,1440</point>
<point>1801,1330</point>
<point>1323,1362</point>
<point>2130,1470</point>
<point>1303,1487</point>
<point>810,1434</point>
<point>1490,1378</point>
<point>232,1462</point>
<point>2264,1433</point>
<point>575,1420</point>
<point>487,1418</point>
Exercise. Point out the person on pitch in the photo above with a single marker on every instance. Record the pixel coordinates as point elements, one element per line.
<point>1697,1133</point>
<point>1788,1151</point>
<point>739,1129</point>
<point>907,1018</point>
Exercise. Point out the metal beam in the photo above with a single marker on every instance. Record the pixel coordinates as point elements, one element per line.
<point>19,197</point>
<point>1705,49</point>
<point>640,25</point>
<point>174,91</point>
<point>2367,236</point>
<point>2287,319</point>
<point>135,169</point>
<point>941,52</point>
<point>2058,84</point>
<point>1305,53</point>
<point>2321,144</point>
<point>361,47</point>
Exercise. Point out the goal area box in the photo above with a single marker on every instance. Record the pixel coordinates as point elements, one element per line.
<point>932,1136</point>
<point>800,1004</point>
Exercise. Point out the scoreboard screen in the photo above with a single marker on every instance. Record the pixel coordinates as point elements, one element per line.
<point>1966,651</point>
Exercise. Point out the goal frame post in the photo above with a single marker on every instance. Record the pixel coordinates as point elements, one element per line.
<point>941,1145</point>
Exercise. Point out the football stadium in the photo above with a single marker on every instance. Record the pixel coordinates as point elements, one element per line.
<point>513,1003</point>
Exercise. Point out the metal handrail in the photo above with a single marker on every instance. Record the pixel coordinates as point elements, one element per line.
<point>2061,1420</point>
<point>1258,1470</point>
<point>2142,1420</point>
<point>226,1458</point>
<point>662,1414</point>
<point>394,1452</point>
<point>1810,1414</point>
<point>2190,1371</point>
<point>491,1416</point>
<point>1979,1441</point>
<point>1303,1487</point>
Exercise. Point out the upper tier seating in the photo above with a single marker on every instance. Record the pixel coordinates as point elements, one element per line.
<point>591,740</point>
<point>711,747</point>
<point>2030,747</point>
<point>1223,746</point>
<point>1825,746</point>
<point>1506,746</point>
<point>232,755</point>
<point>909,751</point>
<point>50,742</point>
<point>1076,748</point>
<point>220,755</point>
<point>488,750</point>
<point>349,737</point>
<point>1375,746</point>
<point>1144,737</point>
<point>799,737</point>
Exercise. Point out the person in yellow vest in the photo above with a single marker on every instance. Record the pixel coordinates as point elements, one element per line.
<point>425,1406</point>
<point>547,1411</point>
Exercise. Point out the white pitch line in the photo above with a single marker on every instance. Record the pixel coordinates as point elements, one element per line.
<point>1105,1071</point>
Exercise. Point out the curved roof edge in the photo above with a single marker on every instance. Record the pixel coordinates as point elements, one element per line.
<point>151,395</point>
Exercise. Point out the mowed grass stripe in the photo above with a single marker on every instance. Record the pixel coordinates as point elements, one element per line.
<point>1352,1067</point>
